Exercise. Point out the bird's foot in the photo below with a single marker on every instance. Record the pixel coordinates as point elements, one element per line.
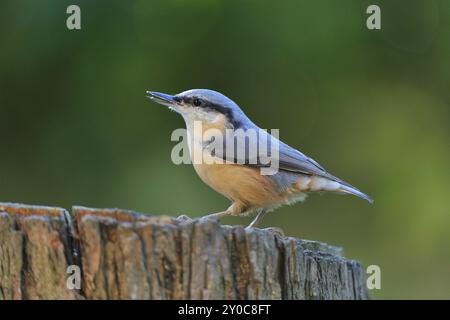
<point>184,218</point>
<point>211,217</point>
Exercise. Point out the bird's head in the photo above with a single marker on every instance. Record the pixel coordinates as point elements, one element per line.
<point>203,105</point>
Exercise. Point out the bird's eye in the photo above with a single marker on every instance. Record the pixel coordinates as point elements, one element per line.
<point>197,102</point>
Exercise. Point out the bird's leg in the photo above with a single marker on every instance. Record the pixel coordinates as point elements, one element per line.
<point>234,210</point>
<point>217,215</point>
<point>257,220</point>
<point>214,216</point>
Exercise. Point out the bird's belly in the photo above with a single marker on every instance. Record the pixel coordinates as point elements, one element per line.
<point>240,184</point>
<point>249,187</point>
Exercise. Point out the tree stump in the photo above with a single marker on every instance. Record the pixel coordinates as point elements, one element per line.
<point>127,255</point>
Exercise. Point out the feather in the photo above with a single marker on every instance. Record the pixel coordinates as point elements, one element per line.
<point>289,159</point>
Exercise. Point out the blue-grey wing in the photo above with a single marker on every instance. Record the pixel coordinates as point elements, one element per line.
<point>240,147</point>
<point>293,160</point>
<point>289,159</point>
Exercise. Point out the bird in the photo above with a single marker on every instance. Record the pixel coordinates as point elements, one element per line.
<point>241,179</point>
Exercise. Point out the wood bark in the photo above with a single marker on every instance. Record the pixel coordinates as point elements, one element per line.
<point>127,255</point>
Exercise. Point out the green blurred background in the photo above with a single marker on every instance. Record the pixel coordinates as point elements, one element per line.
<point>372,106</point>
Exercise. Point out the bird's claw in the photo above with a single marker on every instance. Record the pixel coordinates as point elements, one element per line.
<point>184,218</point>
<point>209,218</point>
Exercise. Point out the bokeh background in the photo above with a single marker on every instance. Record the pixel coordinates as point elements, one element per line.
<point>372,106</point>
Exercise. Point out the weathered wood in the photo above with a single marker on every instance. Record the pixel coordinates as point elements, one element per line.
<point>35,251</point>
<point>126,255</point>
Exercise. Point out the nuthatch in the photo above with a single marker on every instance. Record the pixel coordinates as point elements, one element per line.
<point>243,183</point>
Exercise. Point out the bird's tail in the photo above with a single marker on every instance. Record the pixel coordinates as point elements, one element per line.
<point>346,188</point>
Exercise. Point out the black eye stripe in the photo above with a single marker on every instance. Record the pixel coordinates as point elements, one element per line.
<point>197,102</point>
<point>188,100</point>
<point>212,106</point>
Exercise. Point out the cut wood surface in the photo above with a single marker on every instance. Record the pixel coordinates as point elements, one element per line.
<point>127,255</point>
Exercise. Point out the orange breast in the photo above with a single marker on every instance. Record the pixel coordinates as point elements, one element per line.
<point>239,183</point>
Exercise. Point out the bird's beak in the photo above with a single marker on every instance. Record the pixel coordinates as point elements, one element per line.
<point>161,98</point>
